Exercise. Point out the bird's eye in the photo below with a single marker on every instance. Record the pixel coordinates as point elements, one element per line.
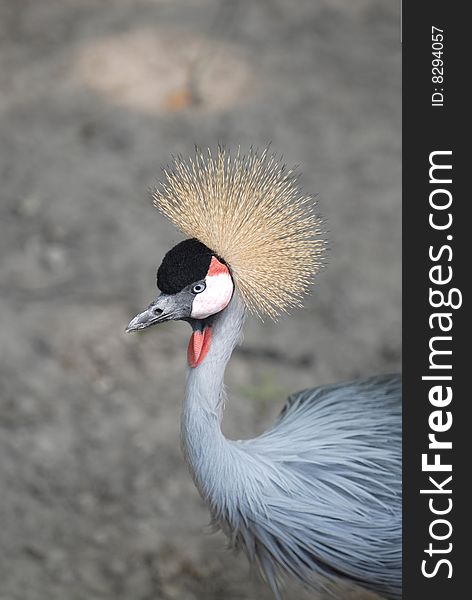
<point>199,287</point>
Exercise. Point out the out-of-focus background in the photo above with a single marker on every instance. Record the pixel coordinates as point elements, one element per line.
<point>95,499</point>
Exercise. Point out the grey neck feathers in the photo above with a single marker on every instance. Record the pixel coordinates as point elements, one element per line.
<point>205,448</point>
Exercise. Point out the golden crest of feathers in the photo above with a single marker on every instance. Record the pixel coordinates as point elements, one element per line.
<point>249,210</point>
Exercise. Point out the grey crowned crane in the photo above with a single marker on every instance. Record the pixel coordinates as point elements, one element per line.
<point>318,495</point>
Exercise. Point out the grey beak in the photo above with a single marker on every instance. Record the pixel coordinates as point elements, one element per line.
<point>141,321</point>
<point>166,307</point>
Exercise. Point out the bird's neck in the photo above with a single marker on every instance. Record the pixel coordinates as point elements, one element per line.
<point>203,443</point>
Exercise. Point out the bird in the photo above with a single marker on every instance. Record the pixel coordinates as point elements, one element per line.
<point>317,496</point>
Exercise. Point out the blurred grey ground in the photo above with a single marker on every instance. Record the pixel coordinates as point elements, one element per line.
<point>96,502</point>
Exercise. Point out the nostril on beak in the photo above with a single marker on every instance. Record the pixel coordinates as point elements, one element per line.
<point>158,311</point>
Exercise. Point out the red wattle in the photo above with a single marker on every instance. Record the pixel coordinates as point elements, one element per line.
<point>198,347</point>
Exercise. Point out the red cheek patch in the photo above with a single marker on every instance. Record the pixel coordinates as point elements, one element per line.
<point>216,267</point>
<point>198,346</point>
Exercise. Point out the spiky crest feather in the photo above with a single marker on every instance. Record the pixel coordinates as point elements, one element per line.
<point>249,210</point>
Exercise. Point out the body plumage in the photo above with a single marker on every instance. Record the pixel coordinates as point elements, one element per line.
<point>318,495</point>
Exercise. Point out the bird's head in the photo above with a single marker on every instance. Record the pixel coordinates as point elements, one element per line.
<point>264,235</point>
<point>195,285</point>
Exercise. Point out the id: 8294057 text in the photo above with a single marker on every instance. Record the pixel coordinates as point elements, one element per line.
<point>437,66</point>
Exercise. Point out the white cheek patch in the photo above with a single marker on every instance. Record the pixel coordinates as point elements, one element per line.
<point>217,294</point>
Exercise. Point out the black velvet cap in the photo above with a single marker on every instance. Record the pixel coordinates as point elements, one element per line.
<point>184,264</point>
